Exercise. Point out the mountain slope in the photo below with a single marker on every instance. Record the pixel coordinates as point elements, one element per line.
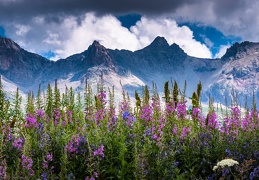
<point>158,62</point>
<point>19,66</point>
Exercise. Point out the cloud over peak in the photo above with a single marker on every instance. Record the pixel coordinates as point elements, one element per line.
<point>69,37</point>
<point>53,25</point>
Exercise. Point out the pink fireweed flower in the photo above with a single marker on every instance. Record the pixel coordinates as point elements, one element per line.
<point>99,151</point>
<point>3,170</point>
<point>124,106</point>
<point>64,123</point>
<point>9,132</point>
<point>181,110</point>
<point>69,114</point>
<point>57,116</point>
<point>185,132</point>
<point>175,129</point>
<point>99,116</point>
<point>40,113</point>
<point>27,164</point>
<point>76,145</point>
<point>52,169</point>
<point>45,165</point>
<point>3,130</point>
<point>170,108</point>
<point>250,121</point>
<point>49,157</point>
<point>212,121</point>
<point>102,96</point>
<point>235,117</point>
<point>146,113</point>
<point>96,174</point>
<point>156,137</point>
<point>31,121</point>
<point>156,104</point>
<point>196,113</point>
<point>18,143</point>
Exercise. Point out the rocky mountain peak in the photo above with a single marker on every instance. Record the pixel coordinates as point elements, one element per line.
<point>240,50</point>
<point>6,43</point>
<point>98,54</point>
<point>177,50</point>
<point>159,42</point>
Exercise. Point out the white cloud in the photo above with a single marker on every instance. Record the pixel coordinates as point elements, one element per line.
<point>52,39</point>
<point>107,30</point>
<point>222,51</point>
<point>68,36</point>
<point>21,30</point>
<point>233,18</point>
<point>147,29</point>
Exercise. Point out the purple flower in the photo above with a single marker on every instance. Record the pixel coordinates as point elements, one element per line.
<point>18,143</point>
<point>44,176</point>
<point>77,145</point>
<point>147,132</point>
<point>225,172</point>
<point>3,170</point>
<point>126,115</point>
<point>256,154</point>
<point>146,113</point>
<point>40,128</point>
<point>27,164</point>
<point>69,114</point>
<point>45,165</point>
<point>40,113</point>
<point>181,110</point>
<point>99,151</point>
<point>228,152</point>
<point>31,121</point>
<point>175,129</point>
<point>254,174</point>
<point>49,157</point>
<point>185,131</point>
<point>176,163</point>
<point>71,176</point>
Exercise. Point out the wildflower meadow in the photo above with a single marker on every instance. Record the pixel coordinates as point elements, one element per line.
<point>90,136</point>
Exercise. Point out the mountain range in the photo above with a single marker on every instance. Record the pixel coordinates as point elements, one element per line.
<point>159,62</point>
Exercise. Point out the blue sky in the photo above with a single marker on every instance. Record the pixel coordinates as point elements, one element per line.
<point>203,28</point>
<point>2,32</point>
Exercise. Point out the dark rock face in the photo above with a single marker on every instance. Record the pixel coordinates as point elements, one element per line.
<point>20,66</point>
<point>241,50</point>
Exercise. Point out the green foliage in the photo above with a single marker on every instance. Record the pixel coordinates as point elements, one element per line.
<point>30,108</point>
<point>49,101</point>
<point>167,92</point>
<point>17,110</point>
<point>175,93</point>
<point>195,100</point>
<point>39,102</point>
<point>199,89</point>
<point>146,96</point>
<point>183,94</point>
<point>138,100</point>
<point>56,100</point>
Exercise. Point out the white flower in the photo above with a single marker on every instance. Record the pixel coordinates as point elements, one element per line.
<point>225,162</point>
